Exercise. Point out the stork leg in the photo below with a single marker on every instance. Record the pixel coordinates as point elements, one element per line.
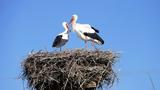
<point>60,48</point>
<point>86,46</point>
<point>93,45</point>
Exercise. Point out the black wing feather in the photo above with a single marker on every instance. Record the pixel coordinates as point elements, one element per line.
<point>94,36</point>
<point>57,40</point>
<point>97,31</point>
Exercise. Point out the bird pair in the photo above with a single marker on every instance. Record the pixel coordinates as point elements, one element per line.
<point>84,31</point>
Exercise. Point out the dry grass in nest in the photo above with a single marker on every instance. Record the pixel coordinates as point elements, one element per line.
<point>69,70</point>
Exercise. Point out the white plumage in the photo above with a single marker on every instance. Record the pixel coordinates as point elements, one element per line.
<point>85,31</point>
<point>62,38</point>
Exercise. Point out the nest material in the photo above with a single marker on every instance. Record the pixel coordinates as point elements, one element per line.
<point>69,70</point>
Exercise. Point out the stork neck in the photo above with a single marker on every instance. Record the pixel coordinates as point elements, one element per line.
<point>66,31</point>
<point>73,24</point>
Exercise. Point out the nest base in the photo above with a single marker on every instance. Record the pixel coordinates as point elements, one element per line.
<point>69,70</point>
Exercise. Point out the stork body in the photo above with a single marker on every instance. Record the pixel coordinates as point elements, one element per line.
<point>62,38</point>
<point>86,32</point>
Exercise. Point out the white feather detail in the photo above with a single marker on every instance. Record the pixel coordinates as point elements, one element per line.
<point>84,28</point>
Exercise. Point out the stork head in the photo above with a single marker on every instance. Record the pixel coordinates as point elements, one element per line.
<point>65,25</point>
<point>74,18</point>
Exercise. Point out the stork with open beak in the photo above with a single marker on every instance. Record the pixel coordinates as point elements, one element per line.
<point>62,38</point>
<point>85,32</point>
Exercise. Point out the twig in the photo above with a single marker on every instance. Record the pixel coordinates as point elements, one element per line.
<point>151,80</point>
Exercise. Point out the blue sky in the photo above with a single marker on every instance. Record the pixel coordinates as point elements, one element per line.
<point>130,27</point>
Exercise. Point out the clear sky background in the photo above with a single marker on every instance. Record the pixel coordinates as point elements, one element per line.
<point>131,27</point>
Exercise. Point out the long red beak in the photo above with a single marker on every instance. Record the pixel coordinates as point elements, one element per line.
<point>68,27</point>
<point>71,20</point>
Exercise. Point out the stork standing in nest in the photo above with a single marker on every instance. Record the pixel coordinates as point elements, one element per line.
<point>62,38</point>
<point>86,32</point>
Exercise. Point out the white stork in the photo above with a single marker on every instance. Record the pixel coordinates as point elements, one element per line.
<point>86,32</point>
<point>62,38</point>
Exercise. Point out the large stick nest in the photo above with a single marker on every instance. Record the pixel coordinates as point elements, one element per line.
<point>69,70</point>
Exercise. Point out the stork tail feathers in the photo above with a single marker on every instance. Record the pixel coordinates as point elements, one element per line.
<point>97,31</point>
